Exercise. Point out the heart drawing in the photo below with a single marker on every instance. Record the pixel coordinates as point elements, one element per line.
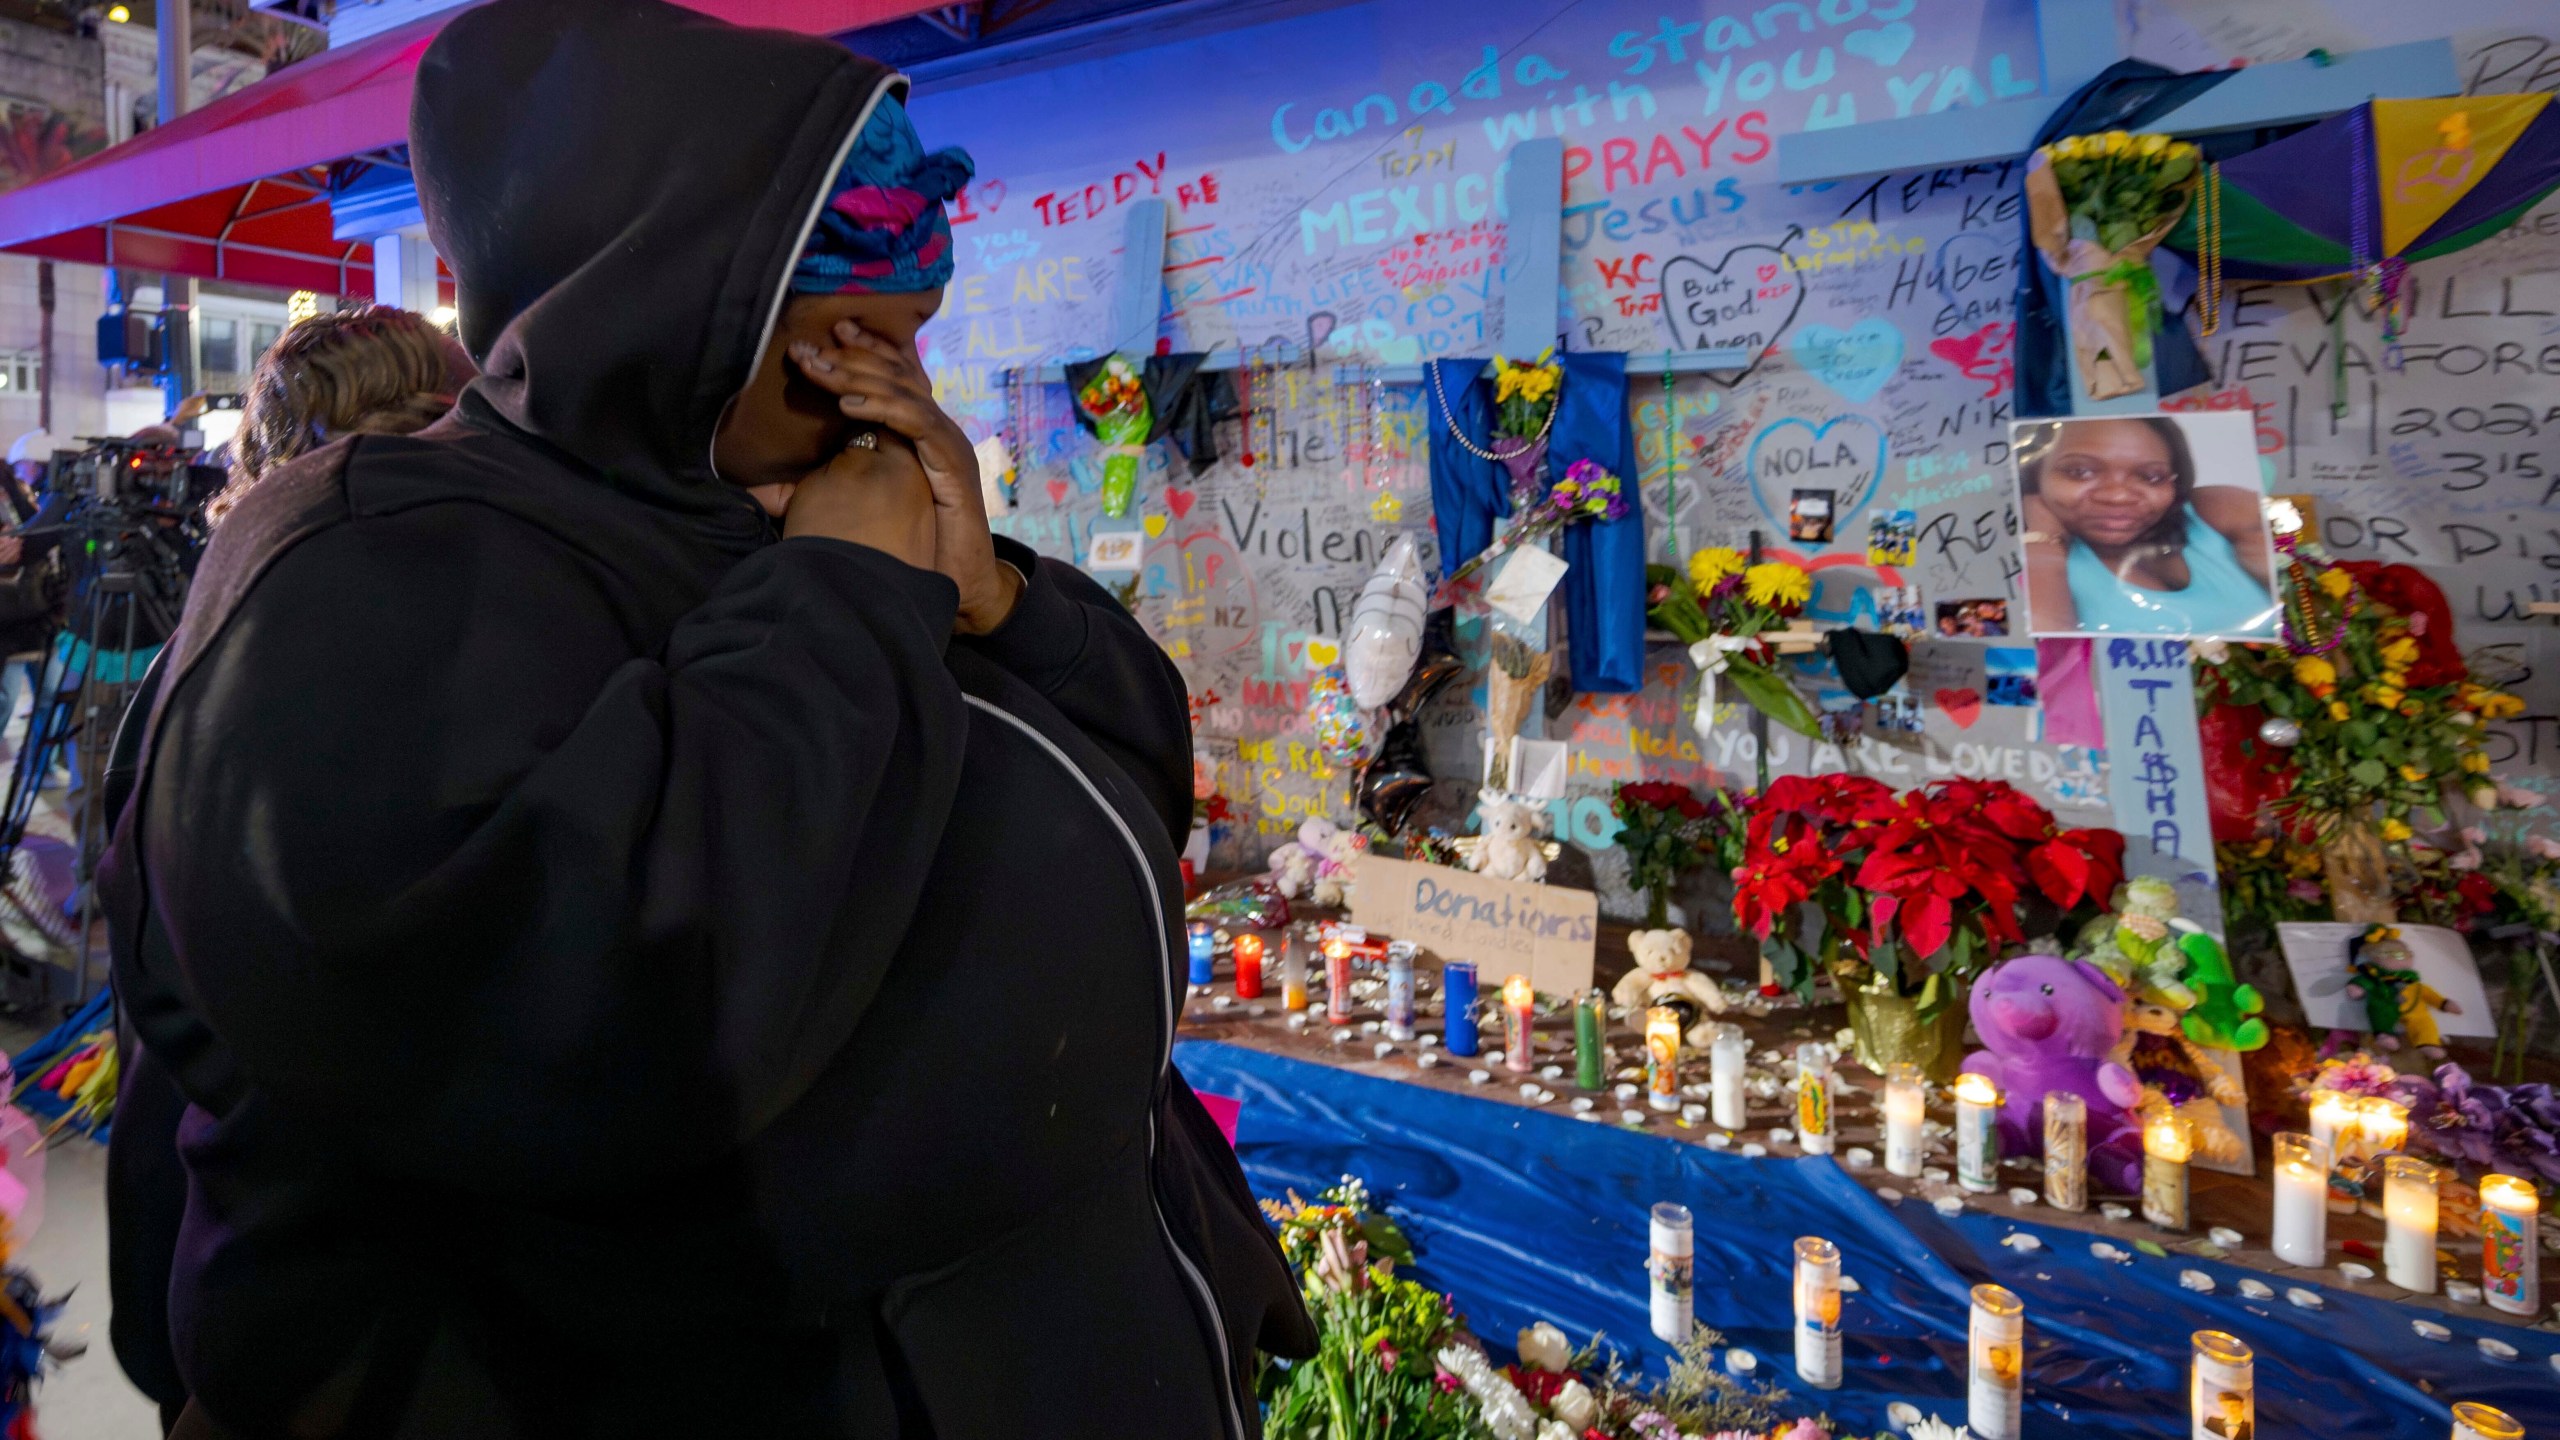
<point>1855,362</point>
<point>1155,525</point>
<point>1962,706</point>
<point>1179,500</point>
<point>1057,492</point>
<point>1982,355</point>
<point>1844,455</point>
<point>1885,45</point>
<point>1744,301</point>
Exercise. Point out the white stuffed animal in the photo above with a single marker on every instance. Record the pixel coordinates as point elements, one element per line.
<point>1510,848</point>
<point>1295,866</point>
<point>1334,854</point>
<point>1662,969</point>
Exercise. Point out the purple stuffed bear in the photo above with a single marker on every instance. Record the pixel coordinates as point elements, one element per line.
<point>2050,1025</point>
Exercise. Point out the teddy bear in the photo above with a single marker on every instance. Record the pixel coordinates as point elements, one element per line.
<point>1510,848</point>
<point>1334,856</point>
<point>1294,865</point>
<point>2178,1077</point>
<point>2132,944</point>
<point>1662,971</point>
<point>2052,1024</point>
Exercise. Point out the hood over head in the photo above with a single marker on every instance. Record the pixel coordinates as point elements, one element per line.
<point>621,188</point>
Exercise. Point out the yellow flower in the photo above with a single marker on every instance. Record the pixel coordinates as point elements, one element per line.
<point>2118,142</point>
<point>1713,564</point>
<point>2396,678</point>
<point>2412,773</point>
<point>2151,146</point>
<point>2311,672</point>
<point>2338,710</point>
<point>2400,652</point>
<point>2395,830</point>
<point>2499,705</point>
<point>1776,583</point>
<point>2336,582</point>
<point>2383,695</point>
<point>2477,762</point>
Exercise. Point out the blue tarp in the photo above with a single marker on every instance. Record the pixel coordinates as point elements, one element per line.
<point>1525,1216</point>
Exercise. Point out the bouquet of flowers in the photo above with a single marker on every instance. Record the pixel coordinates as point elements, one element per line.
<point>1722,607</point>
<point>2096,206</point>
<point>1587,492</point>
<point>2477,1129</point>
<point>1117,404</point>
<point>1666,831</point>
<point>1511,685</point>
<point>1524,395</point>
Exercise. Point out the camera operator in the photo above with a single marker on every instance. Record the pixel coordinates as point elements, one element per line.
<point>30,600</point>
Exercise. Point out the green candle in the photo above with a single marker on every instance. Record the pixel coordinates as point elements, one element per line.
<point>1590,1025</point>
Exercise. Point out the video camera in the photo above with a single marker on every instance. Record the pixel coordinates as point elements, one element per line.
<point>136,477</point>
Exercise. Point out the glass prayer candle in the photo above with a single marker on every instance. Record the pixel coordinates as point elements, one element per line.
<point>2222,1383</point>
<point>1817,1093</point>
<point>1204,954</point>
<point>1728,1055</point>
<point>1458,1002</point>
<point>2382,1126</point>
<point>1591,1040</point>
<point>1977,1133</point>
<point>1674,1252</point>
<point>1997,1350</point>
<point>2066,1151</point>
<point>1818,1312</point>
<point>2167,1145</point>
<point>1519,1002</point>
<point>1400,990</point>
<point>2511,1244</point>
<point>1293,975</point>
<point>1906,1114</point>
<point>2475,1421</point>
<point>2409,1220</point>
<point>2302,1199</point>
<point>1248,951</point>
<point>1662,1057</point>
<point>1337,980</point>
<point>2337,1123</point>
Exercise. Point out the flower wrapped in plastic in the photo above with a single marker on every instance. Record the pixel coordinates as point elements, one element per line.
<point>1117,404</point>
<point>1721,607</point>
<point>2096,207</point>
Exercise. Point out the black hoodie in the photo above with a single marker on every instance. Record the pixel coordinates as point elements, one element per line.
<point>629,975</point>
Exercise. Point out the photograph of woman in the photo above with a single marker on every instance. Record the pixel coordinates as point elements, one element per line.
<point>2144,525</point>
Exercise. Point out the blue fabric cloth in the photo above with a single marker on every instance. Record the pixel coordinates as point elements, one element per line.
<point>2222,598</point>
<point>883,230</point>
<point>1468,492</point>
<point>1604,591</point>
<point>1524,1216</point>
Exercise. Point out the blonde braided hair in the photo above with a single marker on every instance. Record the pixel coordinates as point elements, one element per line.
<point>373,370</point>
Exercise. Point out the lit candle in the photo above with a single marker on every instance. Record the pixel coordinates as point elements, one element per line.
<point>1674,1251</point>
<point>1458,1001</point>
<point>1591,1040</point>
<point>2222,1387</point>
<point>1727,1056</point>
<point>1248,967</point>
<point>1662,1057</point>
<point>1977,1133</point>
<point>2409,1218</point>
<point>2166,1147</point>
<point>2337,1123</point>
<point>1337,980</point>
<point>2066,1151</point>
<point>1997,1346</point>
<point>1816,1095</point>
<point>1518,998</point>
<point>1204,954</point>
<point>1293,975</point>
<point>2475,1421</point>
<point>1906,1112</point>
<point>1818,1312</point>
<point>2302,1199</point>
<point>2511,1244</point>
<point>1400,990</point>
<point>2382,1126</point>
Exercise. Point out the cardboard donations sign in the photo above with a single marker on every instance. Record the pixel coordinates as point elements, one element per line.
<point>1508,927</point>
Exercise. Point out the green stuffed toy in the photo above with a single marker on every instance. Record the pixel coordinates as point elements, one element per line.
<point>2132,944</point>
<point>2226,1011</point>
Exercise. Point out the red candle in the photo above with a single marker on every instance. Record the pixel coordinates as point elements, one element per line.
<point>1248,951</point>
<point>1337,980</point>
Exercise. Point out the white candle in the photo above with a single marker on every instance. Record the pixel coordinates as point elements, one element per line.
<point>1997,1351</point>
<point>1906,1113</point>
<point>2337,1124</point>
<point>2475,1421</point>
<point>1662,1057</point>
<point>1818,1313</point>
<point>2302,1200</point>
<point>1674,1249</point>
<point>2382,1126</point>
<point>2066,1151</point>
<point>2409,1213</point>
<point>1728,1055</point>
<point>2222,1394</point>
<point>1977,1133</point>
<point>2510,1244</point>
<point>2166,1148</point>
<point>1815,1099</point>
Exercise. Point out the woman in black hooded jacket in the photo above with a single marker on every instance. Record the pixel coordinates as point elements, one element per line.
<point>631,974</point>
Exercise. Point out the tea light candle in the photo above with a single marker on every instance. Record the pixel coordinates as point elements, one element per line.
<point>1204,954</point>
<point>1977,1133</point>
<point>1674,1251</point>
<point>1400,990</point>
<point>1458,1000</point>
<point>1906,1111</point>
<point>1818,1312</point>
<point>1816,1096</point>
<point>2475,1421</point>
<point>2066,1152</point>
<point>2166,1148</point>
<point>2222,1386</point>
<point>2302,1199</point>
<point>1590,1040</point>
<point>1518,1002</point>
<point>2511,1244</point>
<point>1337,980</point>
<point>1662,1057</point>
<point>2409,1215</point>
<point>1248,951</point>
<point>1727,1056</point>
<point>1996,1344</point>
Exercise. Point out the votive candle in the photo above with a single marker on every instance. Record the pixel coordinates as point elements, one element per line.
<point>2222,1387</point>
<point>2511,1244</point>
<point>1977,1133</point>
<point>1248,951</point>
<point>1996,1346</point>
<point>2382,1126</point>
<point>1818,1312</point>
<point>1662,1057</point>
<point>2409,1218</point>
<point>2166,1147</point>
<point>1293,975</point>
<point>1906,1117</point>
<point>1400,990</point>
<point>1674,1252</point>
<point>2302,1199</point>
<point>2337,1123</point>
<point>2066,1151</point>
<point>2475,1421</point>
<point>1458,1004</point>
<point>1817,1095</point>
<point>1727,1056</point>
<point>1519,1001</point>
<point>1591,1040</point>
<point>1204,954</point>
<point>1337,980</point>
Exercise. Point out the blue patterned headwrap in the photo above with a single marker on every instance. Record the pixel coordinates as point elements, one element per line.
<point>883,230</point>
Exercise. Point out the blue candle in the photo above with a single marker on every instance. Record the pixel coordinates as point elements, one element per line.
<point>1458,987</point>
<point>1204,955</point>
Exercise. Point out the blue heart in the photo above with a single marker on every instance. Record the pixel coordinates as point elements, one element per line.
<point>1856,361</point>
<point>1817,467</point>
<point>1885,45</point>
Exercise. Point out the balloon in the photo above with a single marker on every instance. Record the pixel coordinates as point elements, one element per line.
<point>2281,731</point>
<point>1342,727</point>
<point>1438,666</point>
<point>1395,782</point>
<point>1386,627</point>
